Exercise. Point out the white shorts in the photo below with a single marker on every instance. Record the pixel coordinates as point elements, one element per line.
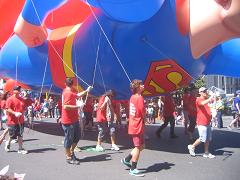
<point>205,133</point>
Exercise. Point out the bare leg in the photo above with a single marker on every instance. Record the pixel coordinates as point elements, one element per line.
<point>136,153</point>
<point>206,147</point>
<point>20,142</point>
<point>196,143</point>
<point>113,139</point>
<point>2,137</point>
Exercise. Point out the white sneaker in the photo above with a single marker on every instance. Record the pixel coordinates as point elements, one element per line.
<point>209,155</point>
<point>14,141</point>
<point>7,146</point>
<point>229,128</point>
<point>99,148</point>
<point>22,151</point>
<point>191,150</point>
<point>115,147</point>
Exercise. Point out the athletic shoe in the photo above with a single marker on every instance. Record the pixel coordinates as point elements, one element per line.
<point>14,141</point>
<point>75,159</point>
<point>115,147</point>
<point>136,172</point>
<point>209,155</point>
<point>72,161</point>
<point>128,164</point>
<point>99,148</point>
<point>191,150</point>
<point>229,128</point>
<point>22,151</point>
<point>7,146</point>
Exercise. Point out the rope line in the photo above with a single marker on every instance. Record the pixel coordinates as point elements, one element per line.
<point>108,41</point>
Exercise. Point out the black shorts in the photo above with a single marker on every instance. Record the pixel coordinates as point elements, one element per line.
<point>15,131</point>
<point>235,114</point>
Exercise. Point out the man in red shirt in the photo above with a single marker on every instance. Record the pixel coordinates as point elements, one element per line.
<point>136,126</point>
<point>168,110</point>
<point>104,119</point>
<point>203,124</point>
<point>69,120</point>
<point>15,106</point>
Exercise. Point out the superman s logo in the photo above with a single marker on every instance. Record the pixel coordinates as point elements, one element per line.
<point>165,76</point>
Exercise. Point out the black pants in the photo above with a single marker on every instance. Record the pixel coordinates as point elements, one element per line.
<point>51,112</point>
<point>171,120</point>
<point>192,123</point>
<point>89,118</point>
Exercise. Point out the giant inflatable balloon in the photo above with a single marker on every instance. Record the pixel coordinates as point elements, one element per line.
<point>108,43</point>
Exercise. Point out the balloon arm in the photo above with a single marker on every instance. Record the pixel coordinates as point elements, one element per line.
<point>29,24</point>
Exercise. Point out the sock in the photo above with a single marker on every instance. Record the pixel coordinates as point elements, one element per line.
<point>128,158</point>
<point>134,165</point>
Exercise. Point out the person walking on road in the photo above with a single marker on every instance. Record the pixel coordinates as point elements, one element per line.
<point>104,119</point>
<point>136,127</point>
<point>69,120</point>
<point>203,124</point>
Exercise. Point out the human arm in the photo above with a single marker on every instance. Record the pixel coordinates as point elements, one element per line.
<point>17,114</point>
<point>84,92</point>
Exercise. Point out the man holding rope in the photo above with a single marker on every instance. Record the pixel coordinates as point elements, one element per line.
<point>69,120</point>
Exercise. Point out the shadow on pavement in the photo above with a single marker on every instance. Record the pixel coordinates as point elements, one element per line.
<point>222,138</point>
<point>97,158</point>
<point>41,150</point>
<point>25,140</point>
<point>158,167</point>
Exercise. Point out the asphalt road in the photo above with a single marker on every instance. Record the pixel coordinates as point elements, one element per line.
<point>162,159</point>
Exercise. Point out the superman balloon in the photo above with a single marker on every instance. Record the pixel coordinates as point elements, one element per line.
<point>107,43</point>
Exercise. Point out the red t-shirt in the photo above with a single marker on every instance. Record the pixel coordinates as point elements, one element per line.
<point>136,115</point>
<point>28,102</point>
<point>17,104</point>
<point>101,114</point>
<point>88,106</point>
<point>69,116</point>
<point>192,110</point>
<point>59,103</point>
<point>169,106</point>
<point>203,112</point>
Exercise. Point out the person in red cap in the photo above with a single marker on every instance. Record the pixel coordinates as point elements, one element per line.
<point>203,124</point>
<point>15,106</point>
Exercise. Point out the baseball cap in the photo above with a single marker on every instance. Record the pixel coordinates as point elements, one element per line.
<point>17,88</point>
<point>202,89</point>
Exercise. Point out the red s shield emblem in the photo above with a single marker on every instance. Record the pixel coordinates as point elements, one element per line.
<point>165,76</point>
